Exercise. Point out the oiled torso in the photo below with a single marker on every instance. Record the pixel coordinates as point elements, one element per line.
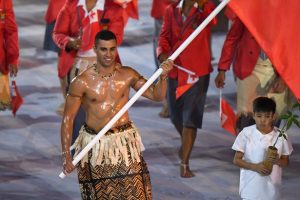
<point>102,97</point>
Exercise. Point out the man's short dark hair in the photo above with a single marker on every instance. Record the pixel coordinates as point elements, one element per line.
<point>105,35</point>
<point>264,104</point>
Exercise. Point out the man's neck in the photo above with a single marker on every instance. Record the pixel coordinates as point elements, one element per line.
<point>186,7</point>
<point>90,4</point>
<point>105,69</point>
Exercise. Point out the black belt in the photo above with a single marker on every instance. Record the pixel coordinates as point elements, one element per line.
<point>110,131</point>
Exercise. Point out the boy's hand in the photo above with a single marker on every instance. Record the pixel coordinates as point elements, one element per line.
<point>262,170</point>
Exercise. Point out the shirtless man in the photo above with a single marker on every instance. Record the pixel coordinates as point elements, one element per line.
<point>116,161</point>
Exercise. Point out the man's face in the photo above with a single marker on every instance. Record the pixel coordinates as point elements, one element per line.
<point>106,51</point>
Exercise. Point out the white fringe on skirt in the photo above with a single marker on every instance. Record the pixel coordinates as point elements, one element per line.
<point>111,149</point>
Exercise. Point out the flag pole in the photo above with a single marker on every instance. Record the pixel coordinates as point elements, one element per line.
<point>90,145</point>
<point>220,104</point>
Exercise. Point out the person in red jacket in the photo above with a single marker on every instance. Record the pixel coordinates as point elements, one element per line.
<point>51,14</point>
<point>9,50</point>
<point>157,12</point>
<point>255,73</point>
<point>186,112</point>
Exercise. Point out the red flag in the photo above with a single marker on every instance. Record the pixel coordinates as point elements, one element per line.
<point>274,24</point>
<point>130,9</point>
<point>182,89</point>
<point>185,82</point>
<point>90,27</point>
<point>228,118</point>
<point>16,99</point>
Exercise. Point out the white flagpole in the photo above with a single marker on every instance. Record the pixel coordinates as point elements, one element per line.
<point>145,86</point>
<point>184,69</point>
<point>220,105</point>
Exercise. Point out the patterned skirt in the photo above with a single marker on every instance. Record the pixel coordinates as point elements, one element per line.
<point>114,168</point>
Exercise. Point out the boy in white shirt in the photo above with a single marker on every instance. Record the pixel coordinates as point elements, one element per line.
<point>256,181</point>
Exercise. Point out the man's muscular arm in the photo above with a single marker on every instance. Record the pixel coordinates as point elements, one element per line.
<point>73,102</point>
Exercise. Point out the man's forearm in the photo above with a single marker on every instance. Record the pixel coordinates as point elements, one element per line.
<point>160,88</point>
<point>66,136</point>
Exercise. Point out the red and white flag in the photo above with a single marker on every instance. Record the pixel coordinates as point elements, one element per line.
<point>186,80</point>
<point>227,116</point>
<point>16,98</point>
<point>274,24</point>
<point>90,27</point>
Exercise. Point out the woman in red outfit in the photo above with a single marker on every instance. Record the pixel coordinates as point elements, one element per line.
<point>9,50</point>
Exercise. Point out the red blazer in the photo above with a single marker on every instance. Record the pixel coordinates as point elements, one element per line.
<point>158,8</point>
<point>241,49</point>
<point>9,47</point>
<point>53,9</point>
<point>196,57</point>
<point>67,26</point>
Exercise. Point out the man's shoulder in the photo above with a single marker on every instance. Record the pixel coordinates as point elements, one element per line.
<point>127,69</point>
<point>129,72</point>
<point>86,73</point>
<point>83,77</point>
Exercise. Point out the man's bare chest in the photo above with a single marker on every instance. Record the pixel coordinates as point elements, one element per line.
<point>107,91</point>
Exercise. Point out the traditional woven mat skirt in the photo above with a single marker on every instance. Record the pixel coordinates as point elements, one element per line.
<point>114,168</point>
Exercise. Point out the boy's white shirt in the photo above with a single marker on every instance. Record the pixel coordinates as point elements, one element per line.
<point>254,145</point>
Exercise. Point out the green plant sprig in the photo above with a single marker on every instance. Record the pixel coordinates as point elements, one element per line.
<point>289,118</point>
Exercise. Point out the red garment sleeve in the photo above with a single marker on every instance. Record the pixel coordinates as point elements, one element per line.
<point>208,8</point>
<point>61,33</point>
<point>11,35</point>
<point>53,9</point>
<point>164,41</point>
<point>116,25</point>
<point>230,44</point>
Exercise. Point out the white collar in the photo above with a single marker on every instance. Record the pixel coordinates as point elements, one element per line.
<point>99,5</point>
<point>181,4</point>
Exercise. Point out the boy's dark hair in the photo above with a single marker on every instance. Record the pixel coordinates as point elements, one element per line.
<point>264,104</point>
<point>105,35</point>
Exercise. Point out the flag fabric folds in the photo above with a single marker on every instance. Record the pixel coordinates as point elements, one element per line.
<point>90,27</point>
<point>274,24</point>
<point>227,116</point>
<point>185,82</point>
<point>130,9</point>
<point>16,98</point>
